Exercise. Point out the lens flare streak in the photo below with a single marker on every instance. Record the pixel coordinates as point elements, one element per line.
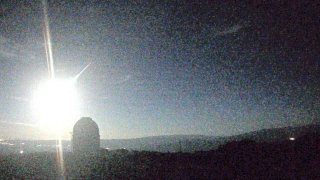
<point>50,64</point>
<point>47,40</point>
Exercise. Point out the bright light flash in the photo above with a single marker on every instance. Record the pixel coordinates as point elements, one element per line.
<point>55,104</point>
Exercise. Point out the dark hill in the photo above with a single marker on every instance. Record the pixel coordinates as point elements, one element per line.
<point>245,159</point>
<point>170,143</point>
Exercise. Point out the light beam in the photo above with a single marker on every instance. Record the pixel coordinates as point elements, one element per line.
<point>47,40</point>
<point>80,73</point>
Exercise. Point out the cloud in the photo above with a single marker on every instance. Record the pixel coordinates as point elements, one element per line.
<point>17,123</point>
<point>229,30</point>
<point>7,48</point>
<point>21,99</point>
<point>16,130</point>
<point>122,80</point>
<point>125,79</point>
<point>12,49</point>
<point>25,131</point>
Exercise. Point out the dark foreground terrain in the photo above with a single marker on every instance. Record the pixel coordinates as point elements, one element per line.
<point>244,159</point>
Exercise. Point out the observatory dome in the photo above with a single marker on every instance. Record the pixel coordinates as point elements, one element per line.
<point>85,136</point>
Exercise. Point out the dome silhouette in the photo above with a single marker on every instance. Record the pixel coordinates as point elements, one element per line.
<point>85,136</point>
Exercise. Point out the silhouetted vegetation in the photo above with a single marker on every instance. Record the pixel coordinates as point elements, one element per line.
<point>244,159</point>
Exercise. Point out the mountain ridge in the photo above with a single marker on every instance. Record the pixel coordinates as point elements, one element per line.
<point>170,143</point>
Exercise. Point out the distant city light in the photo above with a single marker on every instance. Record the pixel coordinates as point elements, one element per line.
<point>21,152</point>
<point>291,138</point>
<point>6,143</point>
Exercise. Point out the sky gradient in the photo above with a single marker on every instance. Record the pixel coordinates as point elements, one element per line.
<point>163,67</point>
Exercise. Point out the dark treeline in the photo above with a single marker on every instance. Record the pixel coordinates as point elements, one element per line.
<point>244,159</point>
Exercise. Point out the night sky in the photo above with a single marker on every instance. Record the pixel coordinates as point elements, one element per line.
<point>166,67</point>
